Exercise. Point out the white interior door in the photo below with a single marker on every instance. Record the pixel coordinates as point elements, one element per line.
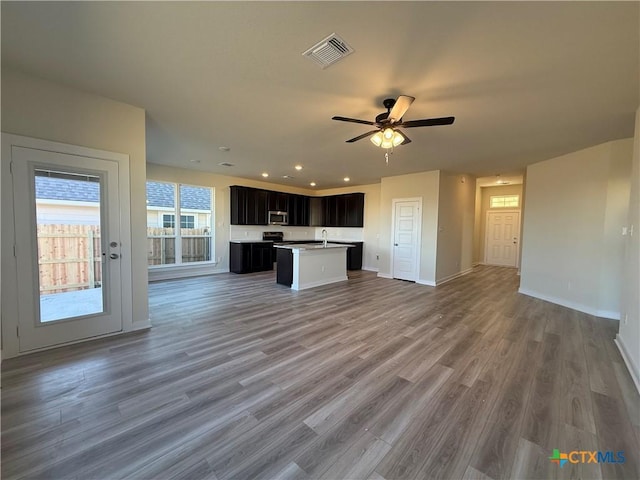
<point>67,226</point>
<point>406,240</point>
<point>502,238</point>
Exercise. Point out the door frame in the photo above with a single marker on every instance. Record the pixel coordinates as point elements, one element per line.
<point>394,203</point>
<point>486,234</point>
<point>9,291</point>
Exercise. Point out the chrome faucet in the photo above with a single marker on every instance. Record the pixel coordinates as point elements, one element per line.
<point>324,238</point>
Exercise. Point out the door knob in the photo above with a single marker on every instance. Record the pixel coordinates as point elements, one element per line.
<point>395,244</point>
<point>113,256</point>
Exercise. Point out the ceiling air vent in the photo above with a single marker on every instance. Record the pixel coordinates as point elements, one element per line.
<point>226,164</point>
<point>329,51</point>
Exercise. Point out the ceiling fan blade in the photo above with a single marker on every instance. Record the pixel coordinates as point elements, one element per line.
<point>406,139</point>
<point>400,108</point>
<point>364,135</point>
<point>427,122</point>
<point>352,120</point>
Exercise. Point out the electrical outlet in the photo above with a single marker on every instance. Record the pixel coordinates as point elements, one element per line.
<point>626,318</point>
<point>568,285</point>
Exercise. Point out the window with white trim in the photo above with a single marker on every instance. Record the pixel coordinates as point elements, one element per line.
<point>193,241</point>
<point>186,221</point>
<point>504,201</point>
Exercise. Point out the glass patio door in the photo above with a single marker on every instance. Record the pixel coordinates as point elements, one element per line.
<point>66,211</point>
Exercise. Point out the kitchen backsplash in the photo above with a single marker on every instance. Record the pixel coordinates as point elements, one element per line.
<point>251,232</point>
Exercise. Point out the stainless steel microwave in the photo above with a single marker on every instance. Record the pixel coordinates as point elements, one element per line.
<point>278,218</point>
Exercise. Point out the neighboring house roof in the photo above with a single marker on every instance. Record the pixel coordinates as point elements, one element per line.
<point>65,189</point>
<point>159,194</point>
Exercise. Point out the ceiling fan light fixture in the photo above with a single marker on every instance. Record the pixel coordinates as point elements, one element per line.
<point>388,138</point>
<point>397,139</point>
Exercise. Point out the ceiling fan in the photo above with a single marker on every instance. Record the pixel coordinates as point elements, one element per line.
<point>387,133</point>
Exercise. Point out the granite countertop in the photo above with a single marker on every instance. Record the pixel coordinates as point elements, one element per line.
<point>313,246</point>
<point>246,240</point>
<point>338,240</point>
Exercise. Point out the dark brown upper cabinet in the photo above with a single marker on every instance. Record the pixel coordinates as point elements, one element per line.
<point>251,206</point>
<point>278,201</point>
<point>299,212</point>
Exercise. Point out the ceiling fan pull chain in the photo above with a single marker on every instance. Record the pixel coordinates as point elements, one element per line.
<point>386,156</point>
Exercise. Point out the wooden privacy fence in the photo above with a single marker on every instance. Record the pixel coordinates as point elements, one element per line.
<point>161,245</point>
<point>69,258</point>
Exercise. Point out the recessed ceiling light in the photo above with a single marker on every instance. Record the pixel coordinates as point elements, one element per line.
<point>298,167</point>
<point>224,149</point>
<point>313,184</point>
<point>346,179</point>
<point>265,174</point>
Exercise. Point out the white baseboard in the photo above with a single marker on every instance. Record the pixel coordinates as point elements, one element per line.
<point>454,276</point>
<point>634,370</point>
<point>170,273</point>
<point>370,269</point>
<point>419,281</point>
<point>574,306</point>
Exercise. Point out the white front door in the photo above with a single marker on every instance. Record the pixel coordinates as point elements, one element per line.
<point>406,240</point>
<point>502,238</point>
<point>67,226</point>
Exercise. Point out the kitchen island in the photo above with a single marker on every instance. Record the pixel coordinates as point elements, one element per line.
<point>305,265</point>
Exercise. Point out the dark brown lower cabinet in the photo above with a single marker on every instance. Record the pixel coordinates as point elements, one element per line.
<point>250,257</point>
<point>354,256</point>
<point>284,269</point>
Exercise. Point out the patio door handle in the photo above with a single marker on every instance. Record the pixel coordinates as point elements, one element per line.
<point>113,256</point>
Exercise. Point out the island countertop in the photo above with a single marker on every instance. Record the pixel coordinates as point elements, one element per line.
<point>313,246</point>
<point>245,240</point>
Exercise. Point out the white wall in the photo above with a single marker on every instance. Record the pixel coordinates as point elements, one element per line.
<point>456,211</point>
<point>572,246</point>
<point>41,109</point>
<point>628,339</point>
<point>425,185</point>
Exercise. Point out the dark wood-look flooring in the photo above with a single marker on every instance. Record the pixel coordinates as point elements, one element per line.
<point>241,378</point>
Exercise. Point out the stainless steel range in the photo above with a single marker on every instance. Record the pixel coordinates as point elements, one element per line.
<point>275,237</point>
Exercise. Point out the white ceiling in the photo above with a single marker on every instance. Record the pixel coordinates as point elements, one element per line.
<point>525,81</point>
